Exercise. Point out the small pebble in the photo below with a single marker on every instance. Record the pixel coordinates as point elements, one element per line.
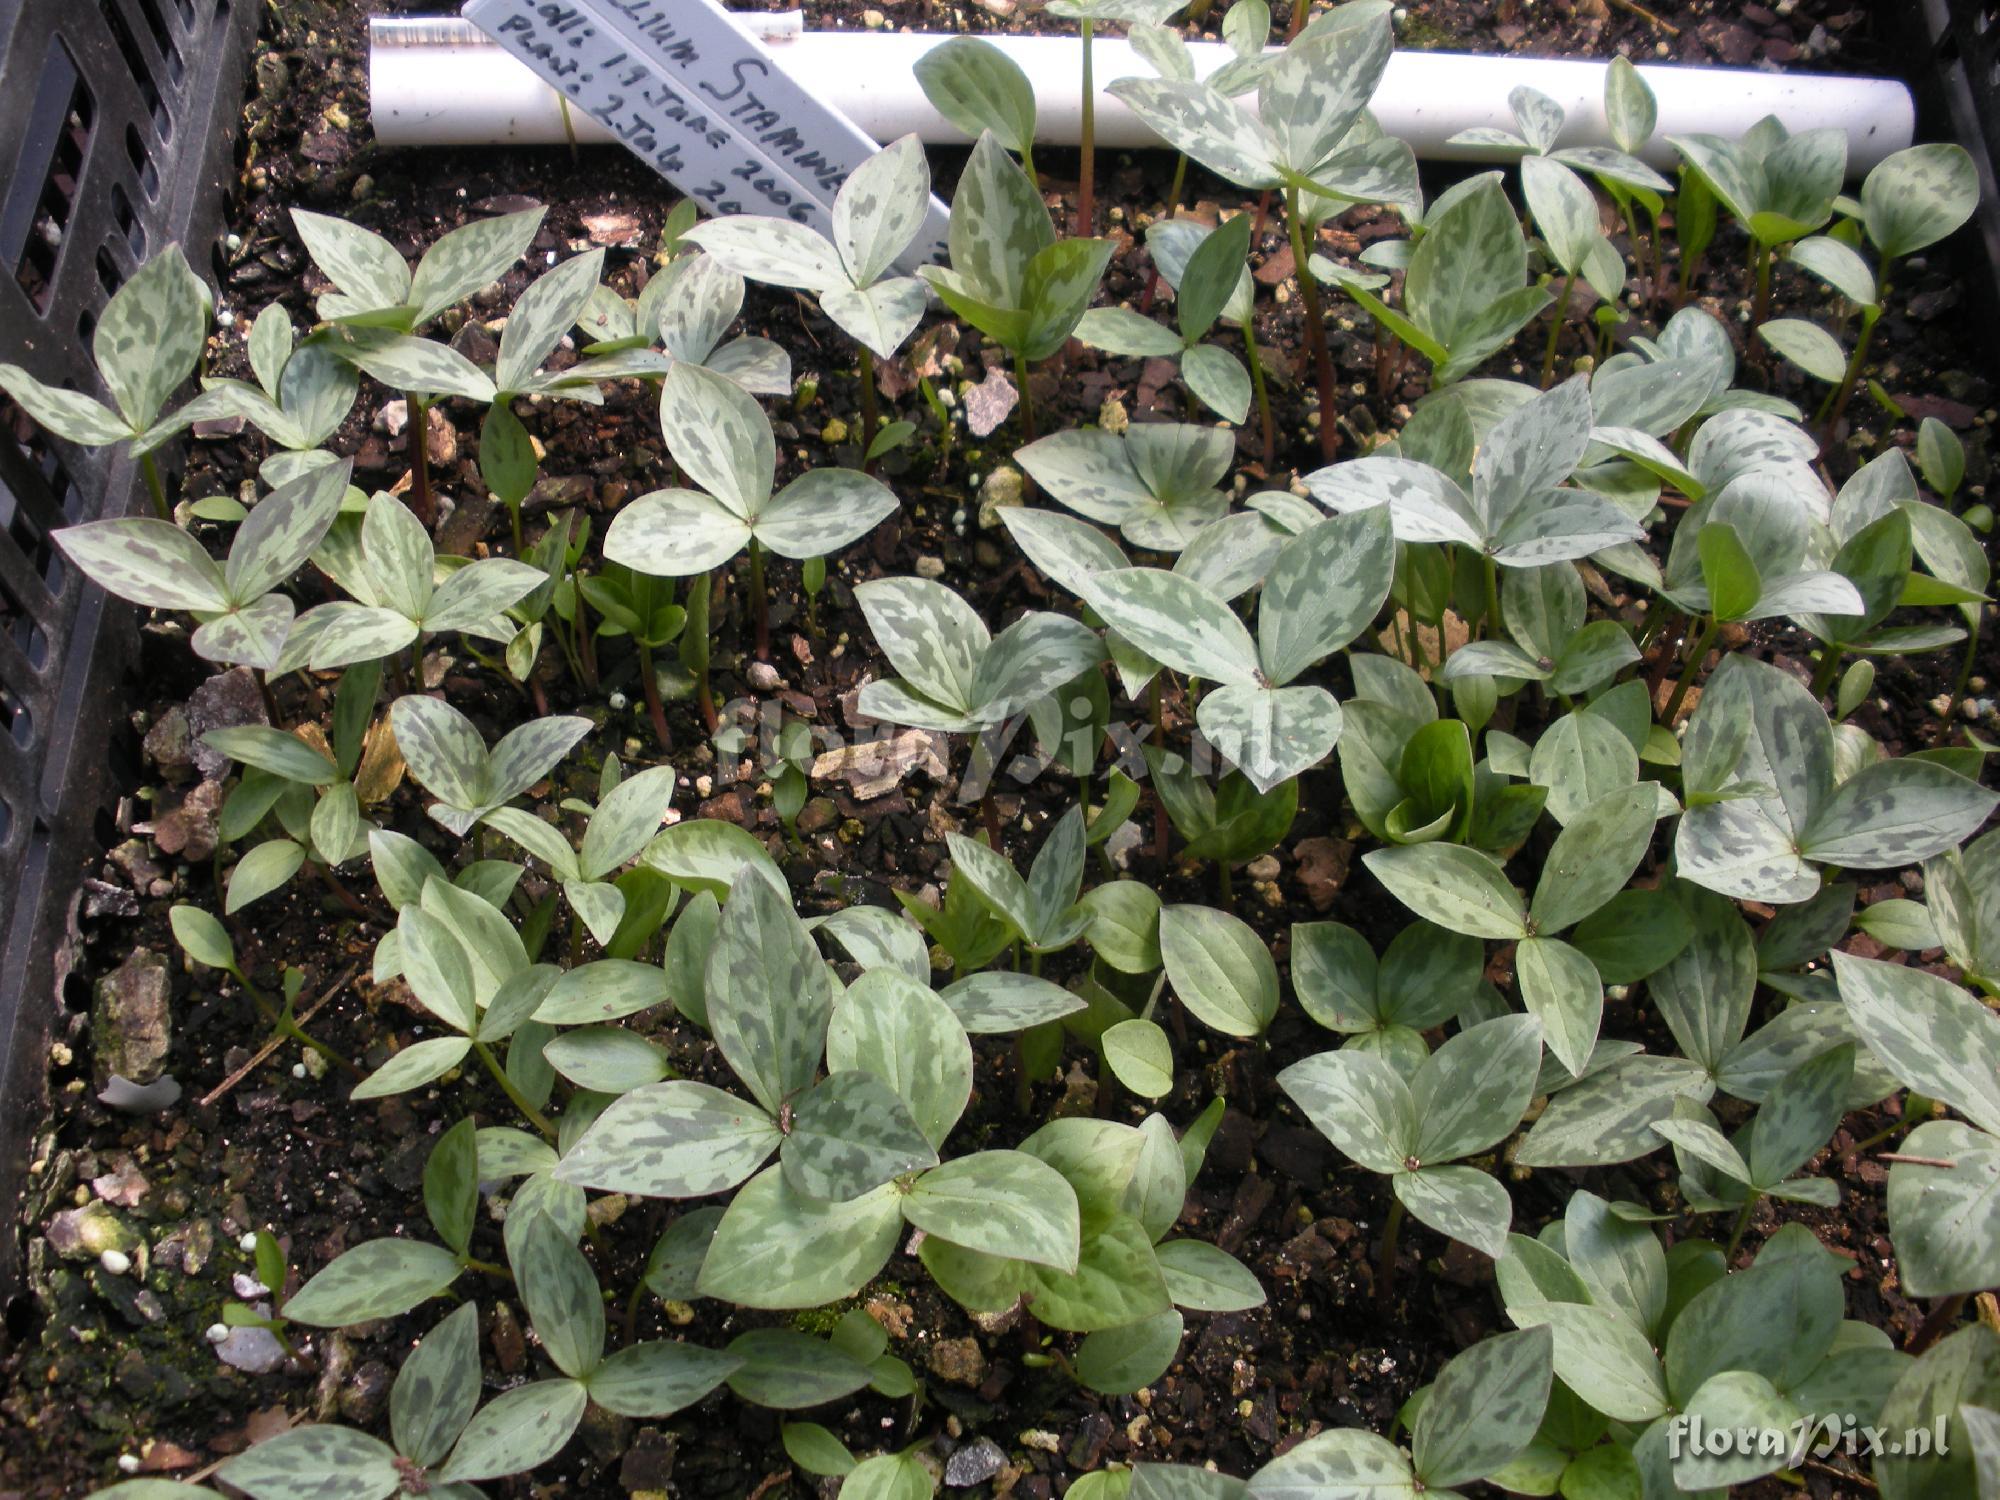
<point>218,1333</point>
<point>115,1262</point>
<point>128,1463</point>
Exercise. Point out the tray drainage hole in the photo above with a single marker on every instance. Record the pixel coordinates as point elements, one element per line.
<point>20,719</point>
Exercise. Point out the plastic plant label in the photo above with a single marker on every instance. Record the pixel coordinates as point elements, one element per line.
<point>701,101</point>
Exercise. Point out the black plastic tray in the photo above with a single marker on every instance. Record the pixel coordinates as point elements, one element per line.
<point>117,127</point>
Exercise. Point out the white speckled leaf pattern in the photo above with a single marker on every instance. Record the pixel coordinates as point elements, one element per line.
<point>470,257</point>
<point>675,534</point>
<point>1484,1408</point>
<point>1005,1203</point>
<point>882,316</point>
<point>1062,280</point>
<point>930,635</point>
<point>148,562</point>
<point>316,1462</point>
<point>769,996</point>
<point>1030,659</point>
<point>677,1139</point>
<point>68,414</point>
<point>823,511</point>
<point>850,1134</point>
<point>1918,196</point>
<point>1464,890</point>
<point>1897,812</point>
<point>283,530</point>
<point>1423,504</point>
<point>1601,1351</point>
<point>253,636</point>
<point>1935,1038</point>
<point>774,251</point>
<point>976,86</point>
<point>1270,734</point>
<point>895,1028</point>
<point>1344,1465</point>
<point>880,209</point>
<point>720,436</point>
<point>376,1279</point>
<point>1215,130</point>
<point>361,264</point>
<point>703,297</point>
<point>404,363</point>
<point>776,1248</point>
<point>1946,1221</point>
<point>659,1377</point>
<point>151,335</point>
<point>1088,470</point>
<point>546,311</point>
<point>517,1431</point>
<point>1179,623</point>
<point>998,225</point>
<point>559,1290</point>
<point>1316,90</point>
<point>1323,589</point>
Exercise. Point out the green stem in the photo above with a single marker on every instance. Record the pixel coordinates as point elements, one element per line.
<point>1829,663</point>
<point>1385,1266</point>
<point>1742,1224</point>
<point>655,710</point>
<point>870,415</point>
<point>1086,192</point>
<point>487,1268</point>
<point>1179,185</point>
<point>1491,572</point>
<point>520,543</point>
<point>760,603</point>
<point>1225,884</point>
<point>419,429</point>
<point>305,1038</point>
<point>1561,312</point>
<point>514,1095</point>
<point>1964,679</point>
<point>1160,829</point>
<point>1761,258</point>
<point>1027,397</point>
<point>1329,432</point>
<point>1943,1314</point>
<point>1263,394</point>
<point>632,1310</point>
<point>1852,378</point>
<point>1689,672</point>
<point>155,487</point>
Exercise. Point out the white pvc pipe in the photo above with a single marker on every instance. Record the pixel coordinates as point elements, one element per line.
<point>441,83</point>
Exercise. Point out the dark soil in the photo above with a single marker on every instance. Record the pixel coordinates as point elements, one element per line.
<point>104,1365</point>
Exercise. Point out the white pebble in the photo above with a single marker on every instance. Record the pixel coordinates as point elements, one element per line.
<point>115,1262</point>
<point>618,702</point>
<point>218,1333</point>
<point>248,1244</point>
<point>298,1070</point>
<point>128,1463</point>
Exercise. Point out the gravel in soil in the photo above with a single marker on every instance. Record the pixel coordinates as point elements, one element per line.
<point>103,1364</point>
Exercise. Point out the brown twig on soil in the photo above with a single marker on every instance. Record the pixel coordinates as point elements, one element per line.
<point>277,1040</point>
<point>1632,7</point>
<point>769,1483</point>
<point>1942,1163</point>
